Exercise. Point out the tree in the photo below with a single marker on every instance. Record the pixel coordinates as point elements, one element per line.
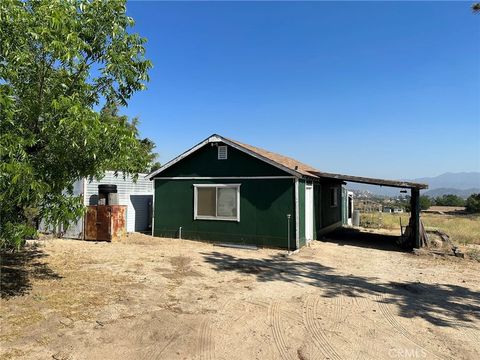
<point>449,200</point>
<point>425,202</point>
<point>155,166</point>
<point>476,7</point>
<point>472,204</point>
<point>60,62</point>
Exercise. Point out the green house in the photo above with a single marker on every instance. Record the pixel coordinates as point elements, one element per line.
<point>224,191</point>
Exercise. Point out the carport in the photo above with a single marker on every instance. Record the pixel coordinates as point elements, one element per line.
<point>415,188</point>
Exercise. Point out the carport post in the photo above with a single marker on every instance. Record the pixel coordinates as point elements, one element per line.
<point>415,215</point>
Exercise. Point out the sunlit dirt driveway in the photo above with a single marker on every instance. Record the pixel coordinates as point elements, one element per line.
<point>152,298</point>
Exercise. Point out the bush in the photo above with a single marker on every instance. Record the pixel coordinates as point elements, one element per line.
<point>425,202</point>
<point>473,203</point>
<point>449,200</point>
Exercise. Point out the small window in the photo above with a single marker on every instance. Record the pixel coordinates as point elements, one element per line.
<point>222,153</point>
<point>217,202</point>
<point>333,197</point>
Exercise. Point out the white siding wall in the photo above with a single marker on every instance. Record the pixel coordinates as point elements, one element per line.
<point>137,206</point>
<point>125,188</point>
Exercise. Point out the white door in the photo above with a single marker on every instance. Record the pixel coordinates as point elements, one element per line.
<point>309,212</point>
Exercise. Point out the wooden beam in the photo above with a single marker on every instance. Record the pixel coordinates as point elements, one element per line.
<point>415,217</point>
<point>372,181</point>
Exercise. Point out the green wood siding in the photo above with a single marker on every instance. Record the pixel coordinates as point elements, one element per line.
<point>331,214</point>
<point>264,205</point>
<point>204,162</point>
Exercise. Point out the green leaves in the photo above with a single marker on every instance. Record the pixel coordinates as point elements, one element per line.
<point>472,204</point>
<point>14,235</point>
<point>59,61</point>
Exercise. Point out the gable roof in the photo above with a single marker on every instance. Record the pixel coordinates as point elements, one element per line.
<point>279,161</point>
<point>287,164</point>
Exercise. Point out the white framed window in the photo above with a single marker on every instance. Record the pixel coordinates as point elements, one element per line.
<point>333,197</point>
<point>216,202</point>
<point>222,152</point>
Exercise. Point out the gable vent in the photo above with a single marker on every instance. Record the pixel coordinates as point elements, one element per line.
<point>222,153</point>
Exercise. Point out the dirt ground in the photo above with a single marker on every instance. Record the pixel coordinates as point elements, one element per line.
<point>446,209</point>
<point>149,298</point>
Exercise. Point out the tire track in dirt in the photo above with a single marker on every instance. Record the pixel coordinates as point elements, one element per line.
<point>470,332</point>
<point>363,302</point>
<point>363,305</point>
<point>341,301</point>
<point>294,316</point>
<point>474,334</point>
<point>278,332</point>
<point>315,331</point>
<point>399,328</point>
<point>206,345</point>
<point>206,341</point>
<point>155,350</point>
<point>340,317</point>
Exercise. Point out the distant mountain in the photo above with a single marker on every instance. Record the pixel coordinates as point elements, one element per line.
<point>462,184</point>
<point>462,180</point>
<point>463,193</point>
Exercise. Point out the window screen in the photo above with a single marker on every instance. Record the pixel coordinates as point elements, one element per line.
<point>227,202</point>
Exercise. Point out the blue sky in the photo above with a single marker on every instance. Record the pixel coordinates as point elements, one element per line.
<point>383,89</point>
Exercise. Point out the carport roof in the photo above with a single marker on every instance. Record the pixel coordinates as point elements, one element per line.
<point>371,181</point>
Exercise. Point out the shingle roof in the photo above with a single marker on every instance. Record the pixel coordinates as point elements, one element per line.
<point>285,161</point>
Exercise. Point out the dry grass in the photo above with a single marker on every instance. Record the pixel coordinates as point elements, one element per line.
<point>76,295</point>
<point>13,354</point>
<point>474,254</point>
<point>463,229</point>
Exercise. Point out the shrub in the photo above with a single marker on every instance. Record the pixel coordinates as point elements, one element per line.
<point>473,203</point>
<point>425,202</point>
<point>449,200</point>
